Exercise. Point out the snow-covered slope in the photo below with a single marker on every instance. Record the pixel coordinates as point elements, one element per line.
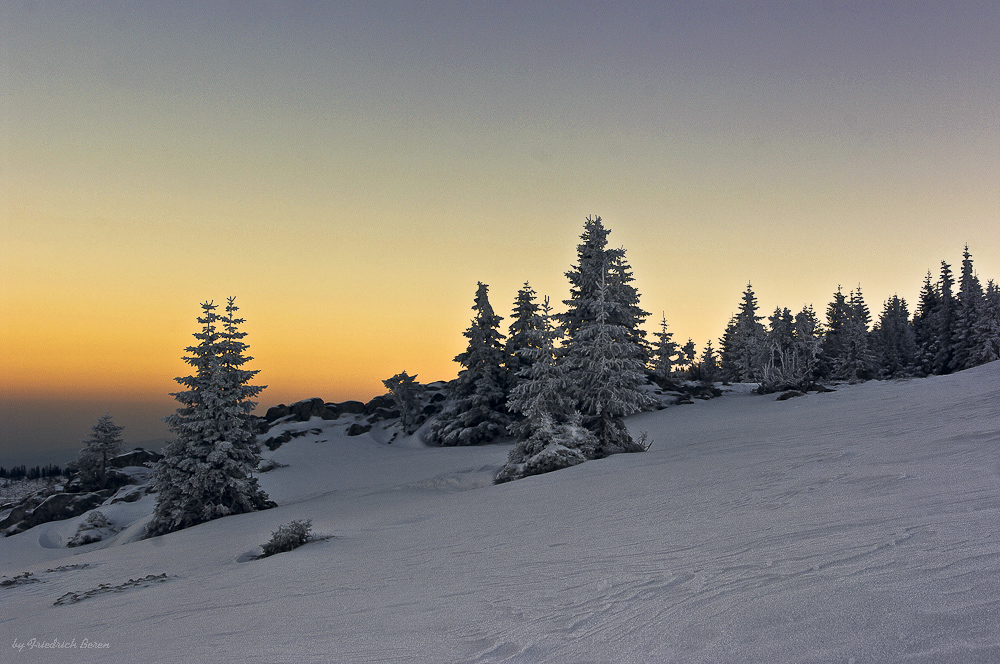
<point>860,525</point>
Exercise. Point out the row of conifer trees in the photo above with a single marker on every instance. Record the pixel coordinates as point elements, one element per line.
<point>951,329</point>
<point>560,383</point>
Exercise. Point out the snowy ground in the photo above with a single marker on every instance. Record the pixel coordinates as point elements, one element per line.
<point>855,526</point>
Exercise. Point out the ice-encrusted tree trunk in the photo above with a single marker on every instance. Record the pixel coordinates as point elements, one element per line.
<point>104,442</point>
<point>549,433</point>
<point>476,411</point>
<point>208,469</point>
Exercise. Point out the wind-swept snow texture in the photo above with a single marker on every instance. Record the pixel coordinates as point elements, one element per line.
<point>855,526</point>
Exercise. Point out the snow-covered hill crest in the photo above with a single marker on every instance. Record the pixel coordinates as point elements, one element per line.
<point>859,524</point>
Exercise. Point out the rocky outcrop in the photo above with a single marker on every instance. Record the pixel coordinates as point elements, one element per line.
<point>52,508</point>
<point>361,416</point>
<point>137,457</point>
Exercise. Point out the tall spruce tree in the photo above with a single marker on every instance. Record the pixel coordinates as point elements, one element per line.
<point>665,352</point>
<point>925,326</point>
<point>549,431</point>
<point>104,442</point>
<point>968,309</point>
<point>987,329</point>
<point>857,360</point>
<point>476,410</point>
<point>521,335</point>
<point>599,267</point>
<point>743,348</point>
<point>606,371</point>
<point>832,351</point>
<point>207,469</point>
<point>944,321</point>
<point>808,341</point>
<point>895,341</point>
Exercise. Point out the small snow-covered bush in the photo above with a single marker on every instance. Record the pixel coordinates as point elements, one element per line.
<point>93,529</point>
<point>285,538</point>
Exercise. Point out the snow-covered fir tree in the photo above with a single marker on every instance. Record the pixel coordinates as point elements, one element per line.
<point>857,360</point>
<point>104,442</point>
<point>606,371</point>
<point>895,341</point>
<point>944,320</point>
<point>807,343</point>
<point>832,351</point>
<point>522,333</point>
<point>969,307</point>
<point>476,409</point>
<point>925,327</point>
<point>706,369</point>
<point>743,346</point>
<point>779,338</point>
<point>550,434</point>
<point>686,356</point>
<point>599,267</point>
<point>208,469</point>
<point>665,352</point>
<point>986,331</point>
<point>406,393</point>
<point>623,302</point>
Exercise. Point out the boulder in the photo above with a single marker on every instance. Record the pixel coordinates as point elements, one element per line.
<point>54,508</point>
<point>358,428</point>
<point>274,442</point>
<point>275,413</point>
<point>137,457</point>
<point>385,402</point>
<point>351,408</point>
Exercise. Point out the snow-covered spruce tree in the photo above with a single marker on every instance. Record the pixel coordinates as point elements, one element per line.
<point>406,393</point>
<point>807,342</point>
<point>726,356</point>
<point>521,335</point>
<point>743,350</point>
<point>665,353</point>
<point>687,355</point>
<point>706,369</point>
<point>832,350</point>
<point>944,319</point>
<point>606,370</point>
<point>104,442</point>
<point>857,360</point>
<point>208,469</point>
<point>623,302</point>
<point>986,332</point>
<point>925,326</point>
<point>550,434</point>
<point>598,267</point>
<point>894,341</point>
<point>968,308</point>
<point>476,410</point>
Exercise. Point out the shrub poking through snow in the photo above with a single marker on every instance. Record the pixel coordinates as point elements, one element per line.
<point>94,528</point>
<point>288,537</point>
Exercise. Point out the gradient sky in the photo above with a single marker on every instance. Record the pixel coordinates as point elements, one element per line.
<point>349,171</point>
